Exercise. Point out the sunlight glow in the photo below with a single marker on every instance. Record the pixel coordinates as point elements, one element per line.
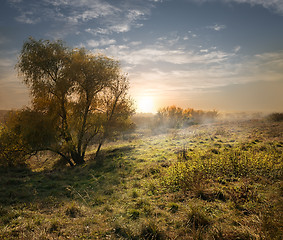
<point>146,104</point>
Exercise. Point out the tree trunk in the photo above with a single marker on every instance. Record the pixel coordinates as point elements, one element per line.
<point>77,158</point>
<point>98,149</point>
<point>68,161</point>
<point>65,157</point>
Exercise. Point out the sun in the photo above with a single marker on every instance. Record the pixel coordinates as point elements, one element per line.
<point>146,104</point>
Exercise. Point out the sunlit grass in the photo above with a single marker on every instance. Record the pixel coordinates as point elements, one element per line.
<point>217,181</point>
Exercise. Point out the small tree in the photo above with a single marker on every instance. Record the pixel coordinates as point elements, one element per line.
<point>80,98</point>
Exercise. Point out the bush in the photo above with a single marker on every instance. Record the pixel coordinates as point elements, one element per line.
<point>13,152</point>
<point>275,117</point>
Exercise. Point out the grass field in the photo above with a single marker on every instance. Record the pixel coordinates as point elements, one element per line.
<point>213,181</point>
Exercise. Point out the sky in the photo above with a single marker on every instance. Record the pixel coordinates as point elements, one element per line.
<point>225,55</point>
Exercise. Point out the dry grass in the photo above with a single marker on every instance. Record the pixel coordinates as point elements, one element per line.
<point>129,195</point>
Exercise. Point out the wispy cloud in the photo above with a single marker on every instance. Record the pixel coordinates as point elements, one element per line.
<point>170,40</point>
<point>182,86</point>
<point>73,11</point>
<point>159,54</point>
<point>217,27</point>
<point>101,42</point>
<point>135,43</point>
<point>265,67</point>
<point>27,17</point>
<point>114,17</point>
<point>237,49</point>
<point>186,71</point>
<point>98,31</point>
<point>14,1</point>
<point>274,5</point>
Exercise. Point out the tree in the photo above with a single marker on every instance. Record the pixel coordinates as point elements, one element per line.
<point>80,98</point>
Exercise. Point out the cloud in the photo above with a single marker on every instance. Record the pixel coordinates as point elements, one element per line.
<point>182,70</point>
<point>119,28</point>
<point>159,54</point>
<point>217,27</point>
<point>101,42</point>
<point>273,5</point>
<point>98,31</point>
<point>237,49</point>
<point>14,1</point>
<point>176,70</point>
<point>72,11</point>
<point>196,85</point>
<point>89,10</point>
<point>135,43</point>
<point>111,28</point>
<point>171,40</point>
<point>110,17</point>
<point>121,22</point>
<point>264,67</point>
<point>27,18</point>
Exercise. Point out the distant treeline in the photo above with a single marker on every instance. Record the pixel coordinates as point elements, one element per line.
<point>2,115</point>
<point>174,117</point>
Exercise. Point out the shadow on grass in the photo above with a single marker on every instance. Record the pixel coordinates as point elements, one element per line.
<point>88,183</point>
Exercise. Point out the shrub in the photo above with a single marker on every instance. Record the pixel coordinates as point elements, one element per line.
<point>275,117</point>
<point>13,152</point>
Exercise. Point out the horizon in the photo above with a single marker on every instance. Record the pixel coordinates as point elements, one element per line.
<point>223,55</point>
